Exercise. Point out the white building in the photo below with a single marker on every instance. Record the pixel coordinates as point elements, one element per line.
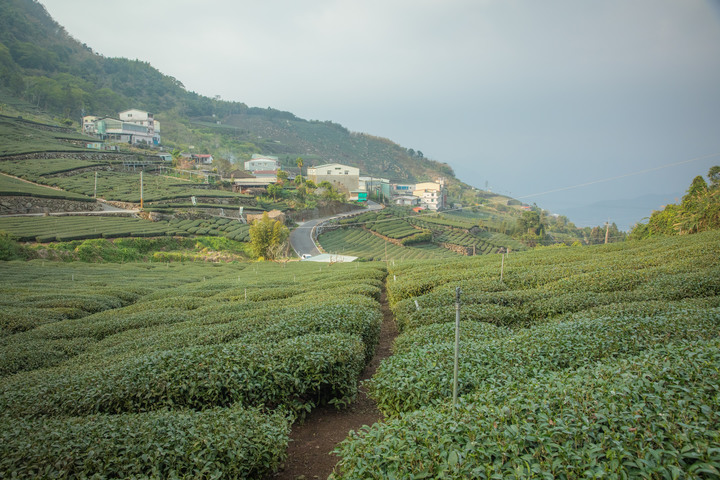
<point>89,124</point>
<point>406,200</point>
<point>202,158</point>
<point>432,195</point>
<point>134,126</point>
<point>260,163</point>
<point>343,177</point>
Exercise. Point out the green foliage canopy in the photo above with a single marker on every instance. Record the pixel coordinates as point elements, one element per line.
<point>267,236</point>
<point>699,211</point>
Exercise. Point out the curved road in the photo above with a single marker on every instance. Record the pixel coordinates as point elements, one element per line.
<point>301,238</point>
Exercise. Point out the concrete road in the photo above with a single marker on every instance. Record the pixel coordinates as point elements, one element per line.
<point>301,238</point>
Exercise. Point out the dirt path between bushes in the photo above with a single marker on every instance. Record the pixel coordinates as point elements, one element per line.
<point>309,454</point>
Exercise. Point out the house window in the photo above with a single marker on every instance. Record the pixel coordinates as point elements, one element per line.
<point>329,172</point>
<point>347,172</point>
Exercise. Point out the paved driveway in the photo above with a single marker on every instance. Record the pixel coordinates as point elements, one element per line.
<point>301,238</point>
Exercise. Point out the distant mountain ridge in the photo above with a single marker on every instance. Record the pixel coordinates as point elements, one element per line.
<point>42,67</point>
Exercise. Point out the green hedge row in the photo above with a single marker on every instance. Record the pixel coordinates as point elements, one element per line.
<point>234,442</point>
<point>423,375</point>
<point>298,373</point>
<point>652,415</point>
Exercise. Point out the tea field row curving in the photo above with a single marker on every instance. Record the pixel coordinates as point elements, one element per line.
<point>366,246</point>
<point>456,233</point>
<point>10,186</point>
<point>109,180</point>
<point>69,228</point>
<point>171,370</point>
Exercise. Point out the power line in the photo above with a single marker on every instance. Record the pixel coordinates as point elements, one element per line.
<point>621,176</point>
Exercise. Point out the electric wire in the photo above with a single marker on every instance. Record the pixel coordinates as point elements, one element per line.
<point>618,177</point>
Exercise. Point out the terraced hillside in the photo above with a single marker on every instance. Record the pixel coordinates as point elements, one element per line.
<point>401,234</point>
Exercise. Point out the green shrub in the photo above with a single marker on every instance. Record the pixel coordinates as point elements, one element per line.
<point>11,249</point>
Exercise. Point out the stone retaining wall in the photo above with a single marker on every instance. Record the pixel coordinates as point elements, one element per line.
<point>461,249</point>
<point>96,156</point>
<point>20,205</point>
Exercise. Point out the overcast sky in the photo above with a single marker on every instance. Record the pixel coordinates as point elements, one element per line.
<point>529,96</point>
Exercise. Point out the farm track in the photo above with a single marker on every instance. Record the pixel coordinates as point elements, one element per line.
<point>311,444</point>
<point>108,209</point>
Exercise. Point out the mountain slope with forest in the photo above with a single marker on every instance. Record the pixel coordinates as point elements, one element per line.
<point>44,69</point>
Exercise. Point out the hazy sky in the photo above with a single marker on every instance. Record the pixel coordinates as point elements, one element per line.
<point>529,96</point>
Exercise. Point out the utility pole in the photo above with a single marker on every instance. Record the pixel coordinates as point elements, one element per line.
<point>607,231</point>
<point>141,189</point>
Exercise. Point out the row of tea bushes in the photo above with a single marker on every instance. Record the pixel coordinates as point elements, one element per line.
<point>546,283</point>
<point>234,442</point>
<point>230,228</point>
<point>582,362</point>
<point>65,229</point>
<point>363,244</point>
<point>206,345</point>
<point>39,292</point>
<point>17,188</point>
<point>651,415</point>
<point>298,373</point>
<point>422,375</point>
<point>124,186</point>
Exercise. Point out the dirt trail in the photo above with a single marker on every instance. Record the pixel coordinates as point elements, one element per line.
<point>311,443</point>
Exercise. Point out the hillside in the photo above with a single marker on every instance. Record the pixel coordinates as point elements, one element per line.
<point>44,69</point>
<point>48,76</point>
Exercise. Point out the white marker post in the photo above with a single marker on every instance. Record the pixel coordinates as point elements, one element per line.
<point>457,346</point>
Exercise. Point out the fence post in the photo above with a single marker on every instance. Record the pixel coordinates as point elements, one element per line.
<point>502,268</point>
<point>457,346</point>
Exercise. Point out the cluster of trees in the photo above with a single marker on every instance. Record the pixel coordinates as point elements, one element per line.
<point>269,238</point>
<point>301,193</point>
<point>699,211</point>
<point>537,227</point>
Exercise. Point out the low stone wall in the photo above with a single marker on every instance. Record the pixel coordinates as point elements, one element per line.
<point>20,205</point>
<point>83,155</point>
<point>305,215</point>
<point>461,249</point>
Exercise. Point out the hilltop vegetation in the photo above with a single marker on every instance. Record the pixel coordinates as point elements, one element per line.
<point>699,211</point>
